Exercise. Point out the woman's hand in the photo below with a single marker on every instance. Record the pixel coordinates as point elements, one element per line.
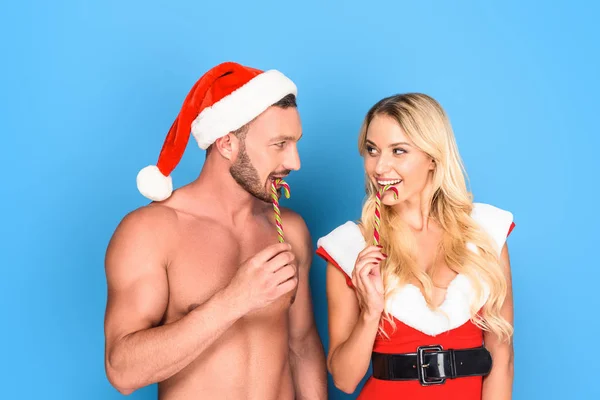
<point>367,279</point>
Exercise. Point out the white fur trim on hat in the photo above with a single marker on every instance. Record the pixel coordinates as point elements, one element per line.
<point>240,107</point>
<point>153,184</point>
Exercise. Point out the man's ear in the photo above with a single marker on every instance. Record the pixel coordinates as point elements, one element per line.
<point>228,146</point>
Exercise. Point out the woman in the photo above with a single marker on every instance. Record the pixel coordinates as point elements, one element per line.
<point>431,306</point>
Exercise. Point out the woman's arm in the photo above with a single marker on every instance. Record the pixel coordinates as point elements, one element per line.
<point>498,384</point>
<point>352,332</point>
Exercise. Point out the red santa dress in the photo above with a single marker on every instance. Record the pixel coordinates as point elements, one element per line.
<point>416,325</point>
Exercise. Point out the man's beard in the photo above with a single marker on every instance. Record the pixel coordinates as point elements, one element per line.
<point>247,177</point>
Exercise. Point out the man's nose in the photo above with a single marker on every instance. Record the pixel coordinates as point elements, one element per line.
<point>292,161</point>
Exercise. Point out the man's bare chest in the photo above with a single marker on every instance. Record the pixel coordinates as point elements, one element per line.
<point>204,263</point>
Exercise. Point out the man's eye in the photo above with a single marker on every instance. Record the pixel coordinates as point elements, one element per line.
<point>280,144</point>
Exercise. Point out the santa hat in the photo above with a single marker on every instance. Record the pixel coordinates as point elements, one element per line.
<point>226,98</point>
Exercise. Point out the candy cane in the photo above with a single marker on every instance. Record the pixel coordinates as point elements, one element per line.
<point>276,184</point>
<point>378,210</point>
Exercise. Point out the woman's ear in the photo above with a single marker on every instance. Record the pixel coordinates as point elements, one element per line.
<point>432,165</point>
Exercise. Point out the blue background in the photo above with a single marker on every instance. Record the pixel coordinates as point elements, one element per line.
<point>89,90</point>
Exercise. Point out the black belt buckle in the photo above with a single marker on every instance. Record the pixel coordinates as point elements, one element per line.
<point>422,367</point>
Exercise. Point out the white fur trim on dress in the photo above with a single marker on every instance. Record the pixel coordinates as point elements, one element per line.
<point>495,221</point>
<point>240,107</point>
<point>407,304</point>
<point>344,244</point>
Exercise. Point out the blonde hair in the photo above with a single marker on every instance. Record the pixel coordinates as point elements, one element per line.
<point>424,121</point>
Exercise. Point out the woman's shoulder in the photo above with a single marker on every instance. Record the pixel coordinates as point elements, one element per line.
<point>342,245</point>
<point>348,228</point>
<point>485,212</point>
<point>495,221</point>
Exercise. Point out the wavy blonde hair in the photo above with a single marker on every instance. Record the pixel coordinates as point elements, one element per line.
<point>426,124</point>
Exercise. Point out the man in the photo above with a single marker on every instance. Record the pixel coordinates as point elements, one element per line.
<point>201,296</point>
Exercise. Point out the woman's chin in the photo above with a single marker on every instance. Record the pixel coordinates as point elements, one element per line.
<point>390,202</point>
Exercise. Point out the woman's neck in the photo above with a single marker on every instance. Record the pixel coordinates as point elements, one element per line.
<point>416,211</point>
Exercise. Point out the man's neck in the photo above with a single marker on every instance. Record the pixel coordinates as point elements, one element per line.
<point>216,185</point>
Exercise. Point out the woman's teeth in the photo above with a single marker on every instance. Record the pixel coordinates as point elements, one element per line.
<point>384,183</point>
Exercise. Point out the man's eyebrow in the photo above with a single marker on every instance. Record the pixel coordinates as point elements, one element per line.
<point>285,137</point>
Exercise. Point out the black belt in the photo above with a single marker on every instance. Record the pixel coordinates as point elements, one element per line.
<point>432,365</point>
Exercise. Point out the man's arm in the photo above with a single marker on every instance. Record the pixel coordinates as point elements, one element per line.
<point>498,384</point>
<point>307,357</point>
<point>138,352</point>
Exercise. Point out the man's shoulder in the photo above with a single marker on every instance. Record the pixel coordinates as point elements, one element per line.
<point>143,233</point>
<point>296,231</point>
<point>149,225</point>
<point>292,220</point>
<point>168,221</point>
<point>151,216</point>
<point>291,214</point>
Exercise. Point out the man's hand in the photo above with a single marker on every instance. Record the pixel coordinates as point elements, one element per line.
<point>264,278</point>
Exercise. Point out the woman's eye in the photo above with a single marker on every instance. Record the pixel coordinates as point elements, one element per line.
<point>399,151</point>
<point>371,150</point>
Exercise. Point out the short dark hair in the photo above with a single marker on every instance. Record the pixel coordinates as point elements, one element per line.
<point>286,102</point>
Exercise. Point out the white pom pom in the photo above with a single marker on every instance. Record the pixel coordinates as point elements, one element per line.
<point>153,184</point>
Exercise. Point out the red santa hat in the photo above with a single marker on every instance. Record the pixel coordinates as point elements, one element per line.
<point>223,100</point>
